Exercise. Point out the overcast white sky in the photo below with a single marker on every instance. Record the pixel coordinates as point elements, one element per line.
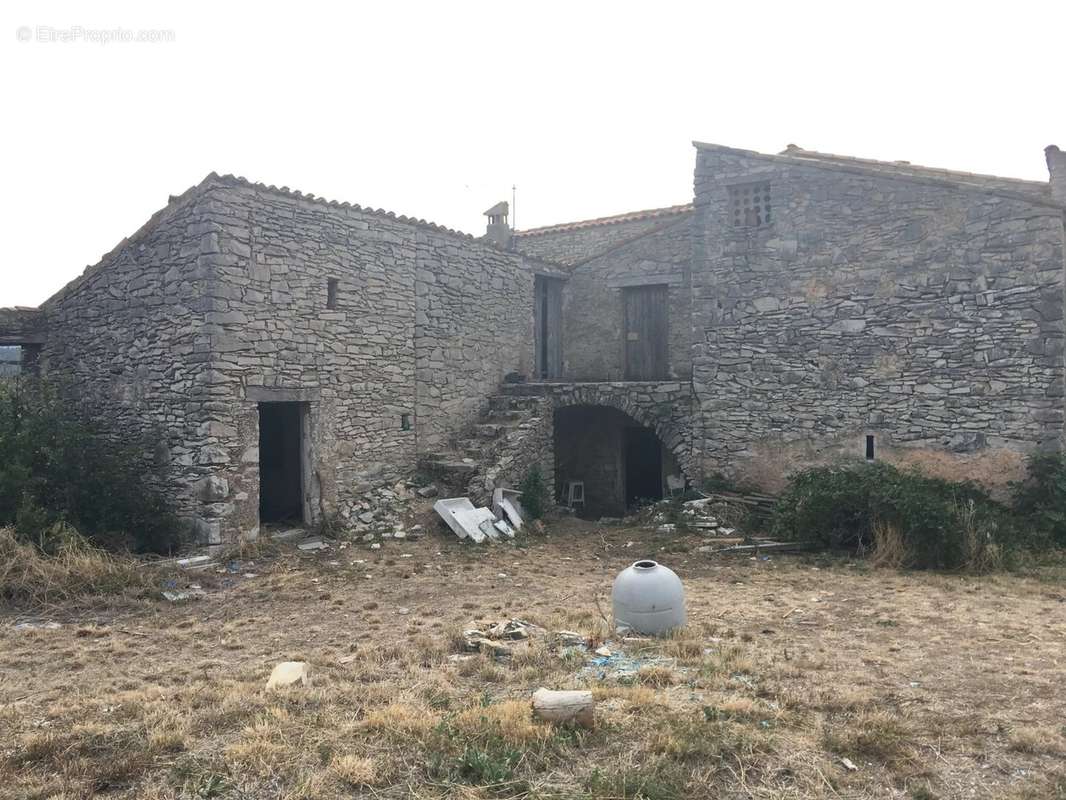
<point>436,109</point>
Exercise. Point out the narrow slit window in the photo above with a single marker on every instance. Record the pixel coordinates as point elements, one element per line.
<point>869,447</point>
<point>331,293</point>
<point>405,422</point>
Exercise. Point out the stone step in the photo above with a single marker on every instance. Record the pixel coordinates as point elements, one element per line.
<point>505,415</point>
<point>505,402</point>
<point>455,468</point>
<point>488,430</point>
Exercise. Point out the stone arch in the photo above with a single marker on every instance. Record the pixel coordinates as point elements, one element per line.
<point>664,408</point>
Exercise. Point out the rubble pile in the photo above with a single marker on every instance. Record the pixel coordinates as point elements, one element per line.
<point>379,513</point>
<point>697,515</point>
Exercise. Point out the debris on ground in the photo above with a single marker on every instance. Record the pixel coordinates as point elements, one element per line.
<point>312,544</point>
<point>289,673</point>
<point>494,639</point>
<point>623,668</point>
<point>288,533</point>
<point>467,521</point>
<point>194,592</point>
<point>507,506</point>
<point>195,562</point>
<point>565,706</point>
<point>37,625</point>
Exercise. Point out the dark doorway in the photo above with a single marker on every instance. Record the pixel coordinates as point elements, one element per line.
<point>548,315</point>
<point>646,331</point>
<point>644,466</point>
<point>281,462</point>
<point>617,461</point>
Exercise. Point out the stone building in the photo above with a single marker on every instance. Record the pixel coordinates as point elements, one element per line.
<point>281,355</point>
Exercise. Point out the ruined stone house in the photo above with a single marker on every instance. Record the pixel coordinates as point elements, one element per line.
<point>281,355</point>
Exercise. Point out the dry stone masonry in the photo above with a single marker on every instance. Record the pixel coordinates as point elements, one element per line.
<point>804,307</point>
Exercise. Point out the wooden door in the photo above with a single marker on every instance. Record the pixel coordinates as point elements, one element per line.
<point>646,332</point>
<point>548,321</point>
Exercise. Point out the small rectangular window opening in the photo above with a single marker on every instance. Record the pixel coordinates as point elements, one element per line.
<point>405,422</point>
<point>749,205</point>
<point>331,293</point>
<point>869,447</point>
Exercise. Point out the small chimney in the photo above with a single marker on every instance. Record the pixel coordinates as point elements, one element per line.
<point>498,231</point>
<point>1056,167</point>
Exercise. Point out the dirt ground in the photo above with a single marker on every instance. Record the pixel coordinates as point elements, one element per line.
<point>796,676</point>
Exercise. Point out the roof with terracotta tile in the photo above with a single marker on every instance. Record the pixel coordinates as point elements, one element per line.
<point>213,179</point>
<point>631,216</point>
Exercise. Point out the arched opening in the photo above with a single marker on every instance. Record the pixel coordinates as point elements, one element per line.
<point>619,463</point>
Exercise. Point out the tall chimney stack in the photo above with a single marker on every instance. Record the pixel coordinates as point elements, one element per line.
<point>1056,167</point>
<point>498,231</point>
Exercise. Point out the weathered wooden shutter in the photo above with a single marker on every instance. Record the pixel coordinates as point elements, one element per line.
<point>646,332</point>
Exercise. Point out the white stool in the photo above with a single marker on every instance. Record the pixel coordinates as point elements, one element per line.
<point>575,493</point>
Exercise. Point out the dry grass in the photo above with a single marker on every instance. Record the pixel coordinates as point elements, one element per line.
<point>946,685</point>
<point>1040,741</point>
<point>31,578</point>
<point>890,551</point>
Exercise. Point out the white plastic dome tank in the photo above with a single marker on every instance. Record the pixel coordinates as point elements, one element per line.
<point>648,598</point>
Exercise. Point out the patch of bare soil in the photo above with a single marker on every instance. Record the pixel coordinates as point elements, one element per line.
<point>795,677</point>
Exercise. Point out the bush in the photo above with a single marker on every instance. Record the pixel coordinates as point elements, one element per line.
<point>536,498</point>
<point>55,467</point>
<point>904,517</point>
<point>1041,497</point>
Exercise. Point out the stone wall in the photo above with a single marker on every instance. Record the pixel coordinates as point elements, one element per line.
<point>220,303</point>
<point>474,325</point>
<point>126,342</point>
<point>593,336</point>
<point>425,326</point>
<point>921,311</point>
<point>570,244</point>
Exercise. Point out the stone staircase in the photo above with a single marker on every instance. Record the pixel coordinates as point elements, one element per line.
<point>488,452</point>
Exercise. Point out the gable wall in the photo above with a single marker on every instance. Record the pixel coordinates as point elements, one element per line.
<point>928,316</point>
<point>593,335</point>
<point>125,342</point>
<point>571,246</point>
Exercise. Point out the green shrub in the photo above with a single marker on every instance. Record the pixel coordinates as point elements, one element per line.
<point>1041,497</point>
<point>55,467</point>
<point>536,497</point>
<point>935,524</point>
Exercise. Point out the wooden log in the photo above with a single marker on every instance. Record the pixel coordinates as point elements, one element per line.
<point>566,706</point>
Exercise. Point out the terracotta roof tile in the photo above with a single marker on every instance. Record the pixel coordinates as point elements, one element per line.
<point>632,216</point>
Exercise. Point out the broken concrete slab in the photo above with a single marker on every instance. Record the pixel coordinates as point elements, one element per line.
<point>289,673</point>
<point>427,491</point>
<point>288,533</point>
<point>313,544</point>
<point>195,562</point>
<point>464,518</point>
<point>506,505</point>
<point>37,625</point>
